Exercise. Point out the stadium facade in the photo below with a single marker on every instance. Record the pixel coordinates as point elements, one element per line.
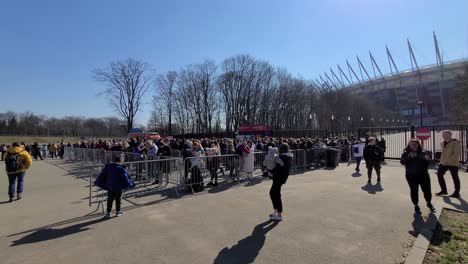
<point>401,91</point>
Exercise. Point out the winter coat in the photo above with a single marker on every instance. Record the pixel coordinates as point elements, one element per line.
<point>114,177</point>
<point>248,159</point>
<point>417,166</point>
<point>360,149</point>
<point>282,168</point>
<point>24,159</point>
<point>451,153</point>
<point>373,153</point>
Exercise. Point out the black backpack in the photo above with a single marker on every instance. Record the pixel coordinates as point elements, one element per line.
<point>12,162</point>
<point>356,150</point>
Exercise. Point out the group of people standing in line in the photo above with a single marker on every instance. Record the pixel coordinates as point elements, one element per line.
<point>115,177</point>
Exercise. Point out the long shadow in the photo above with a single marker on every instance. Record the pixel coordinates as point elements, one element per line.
<point>247,249</point>
<point>222,187</point>
<point>5,202</point>
<point>463,206</point>
<point>372,189</point>
<point>255,181</point>
<point>418,223</point>
<point>42,235</point>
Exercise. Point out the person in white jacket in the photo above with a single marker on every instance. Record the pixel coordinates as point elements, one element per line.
<point>357,149</point>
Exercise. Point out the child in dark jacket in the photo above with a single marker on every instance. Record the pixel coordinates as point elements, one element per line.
<point>416,163</point>
<point>114,178</point>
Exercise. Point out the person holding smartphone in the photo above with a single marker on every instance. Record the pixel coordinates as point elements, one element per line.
<point>416,163</point>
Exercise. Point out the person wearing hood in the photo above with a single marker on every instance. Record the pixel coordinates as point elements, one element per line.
<point>114,178</point>
<point>280,176</point>
<point>416,163</point>
<point>17,161</point>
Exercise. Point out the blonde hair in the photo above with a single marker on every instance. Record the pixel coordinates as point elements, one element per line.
<point>447,132</point>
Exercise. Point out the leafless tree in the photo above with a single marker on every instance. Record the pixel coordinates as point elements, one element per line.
<point>165,94</point>
<point>127,83</point>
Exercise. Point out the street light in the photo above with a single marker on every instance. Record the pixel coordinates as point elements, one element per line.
<point>420,103</point>
<point>332,118</point>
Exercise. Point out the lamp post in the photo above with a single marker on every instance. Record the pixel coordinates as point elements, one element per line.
<point>311,125</point>
<point>420,103</point>
<point>332,119</point>
<point>349,125</point>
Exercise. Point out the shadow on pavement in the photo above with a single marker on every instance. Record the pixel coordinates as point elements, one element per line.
<point>50,233</point>
<point>418,223</point>
<point>372,189</point>
<point>463,206</point>
<point>247,249</point>
<point>356,174</point>
<point>422,227</point>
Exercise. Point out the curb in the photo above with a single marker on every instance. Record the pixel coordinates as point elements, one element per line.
<point>419,249</point>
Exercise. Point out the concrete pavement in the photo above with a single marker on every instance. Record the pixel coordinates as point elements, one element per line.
<point>330,217</point>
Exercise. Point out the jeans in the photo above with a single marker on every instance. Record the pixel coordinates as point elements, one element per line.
<point>12,178</point>
<point>275,195</point>
<point>414,182</point>
<point>111,196</point>
<point>456,180</point>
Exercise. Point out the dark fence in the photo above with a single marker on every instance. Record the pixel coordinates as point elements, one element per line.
<point>397,138</point>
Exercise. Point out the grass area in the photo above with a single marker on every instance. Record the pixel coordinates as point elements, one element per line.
<point>449,243</point>
<point>32,139</point>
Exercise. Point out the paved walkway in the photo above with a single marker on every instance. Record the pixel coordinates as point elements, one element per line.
<point>330,217</point>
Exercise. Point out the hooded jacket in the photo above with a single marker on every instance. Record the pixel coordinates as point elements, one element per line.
<point>114,177</point>
<point>24,159</point>
<point>451,153</point>
<point>283,167</point>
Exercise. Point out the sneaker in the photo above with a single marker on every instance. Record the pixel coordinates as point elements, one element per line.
<point>18,196</point>
<point>431,207</point>
<point>273,214</point>
<point>215,184</point>
<point>417,210</point>
<point>441,193</point>
<point>11,200</point>
<point>119,213</point>
<point>276,218</point>
<point>455,195</point>
<point>378,179</point>
<point>108,215</point>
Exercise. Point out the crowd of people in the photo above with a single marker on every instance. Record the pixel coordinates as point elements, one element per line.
<point>277,163</point>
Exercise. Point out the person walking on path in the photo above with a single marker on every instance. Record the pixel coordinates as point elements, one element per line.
<point>17,161</point>
<point>114,178</point>
<point>449,160</point>
<point>416,163</point>
<point>373,155</point>
<point>358,150</point>
<point>280,176</point>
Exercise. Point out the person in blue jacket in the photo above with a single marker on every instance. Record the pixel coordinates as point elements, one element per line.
<point>114,178</point>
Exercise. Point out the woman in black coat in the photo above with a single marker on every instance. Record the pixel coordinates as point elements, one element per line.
<point>416,163</point>
<point>280,176</point>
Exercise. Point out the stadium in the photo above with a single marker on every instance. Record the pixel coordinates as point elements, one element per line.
<point>421,88</point>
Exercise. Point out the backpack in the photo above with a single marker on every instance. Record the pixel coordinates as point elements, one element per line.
<point>12,162</point>
<point>356,150</point>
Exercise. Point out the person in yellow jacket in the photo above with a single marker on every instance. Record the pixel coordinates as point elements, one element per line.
<point>449,160</point>
<point>17,161</point>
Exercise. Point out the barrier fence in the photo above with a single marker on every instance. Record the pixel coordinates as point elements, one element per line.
<point>155,173</point>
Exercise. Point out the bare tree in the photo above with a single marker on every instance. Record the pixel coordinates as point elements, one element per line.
<point>127,83</point>
<point>165,94</point>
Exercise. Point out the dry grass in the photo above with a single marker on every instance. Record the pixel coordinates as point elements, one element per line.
<point>449,244</point>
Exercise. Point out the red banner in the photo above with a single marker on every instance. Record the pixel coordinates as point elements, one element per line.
<point>253,128</point>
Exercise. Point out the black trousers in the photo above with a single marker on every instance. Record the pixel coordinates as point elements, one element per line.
<point>371,165</point>
<point>414,182</point>
<point>275,195</point>
<point>111,196</point>
<point>454,172</point>
<point>358,162</point>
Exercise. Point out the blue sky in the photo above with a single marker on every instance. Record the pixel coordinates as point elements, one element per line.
<point>49,48</point>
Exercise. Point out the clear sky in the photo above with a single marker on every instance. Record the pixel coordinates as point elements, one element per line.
<point>48,48</point>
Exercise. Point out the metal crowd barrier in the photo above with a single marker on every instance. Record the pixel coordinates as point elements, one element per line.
<point>148,175</point>
<point>199,171</point>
